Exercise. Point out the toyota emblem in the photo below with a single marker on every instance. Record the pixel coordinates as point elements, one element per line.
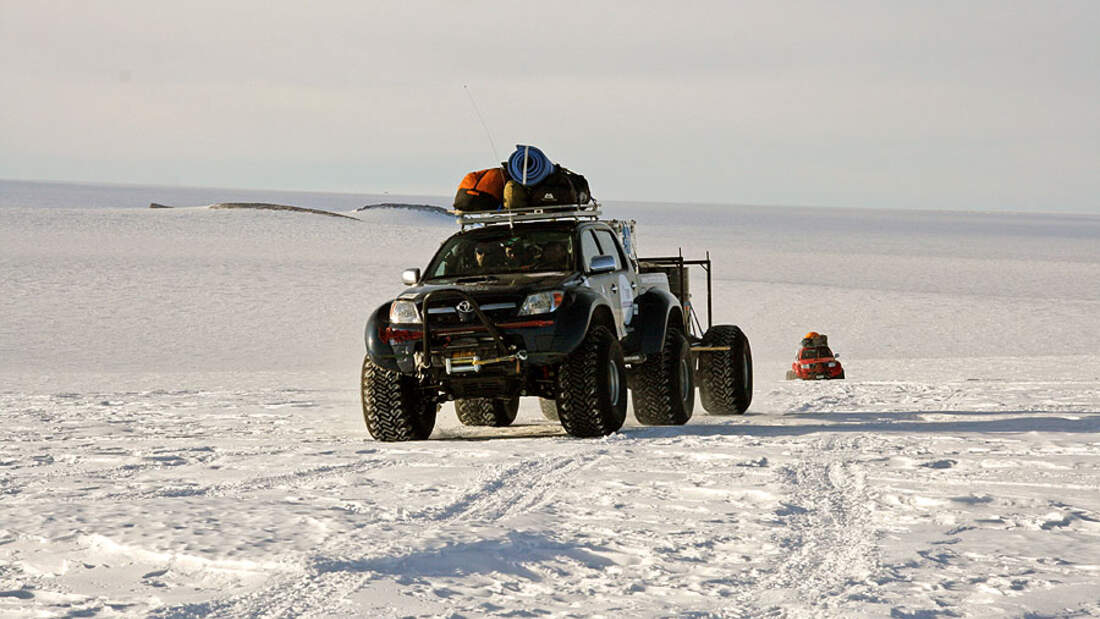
<point>464,306</point>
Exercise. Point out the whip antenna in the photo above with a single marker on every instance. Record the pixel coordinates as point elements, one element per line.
<point>483,125</point>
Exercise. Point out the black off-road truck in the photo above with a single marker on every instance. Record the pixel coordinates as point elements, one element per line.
<point>554,304</point>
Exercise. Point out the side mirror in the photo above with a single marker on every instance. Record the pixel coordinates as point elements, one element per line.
<point>602,264</point>
<point>410,276</point>
<point>836,355</point>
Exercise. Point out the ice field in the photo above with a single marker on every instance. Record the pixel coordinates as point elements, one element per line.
<point>182,434</point>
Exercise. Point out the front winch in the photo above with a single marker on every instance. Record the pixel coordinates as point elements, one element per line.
<point>462,363</point>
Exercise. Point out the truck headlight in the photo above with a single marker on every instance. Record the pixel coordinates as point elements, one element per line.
<point>832,364</point>
<point>541,303</point>
<point>404,313</point>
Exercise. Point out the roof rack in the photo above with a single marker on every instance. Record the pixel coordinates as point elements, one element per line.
<point>537,213</point>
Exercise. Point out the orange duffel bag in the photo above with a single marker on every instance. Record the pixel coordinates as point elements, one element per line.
<point>482,190</point>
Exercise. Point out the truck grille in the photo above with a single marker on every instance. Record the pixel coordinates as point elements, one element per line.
<point>447,314</point>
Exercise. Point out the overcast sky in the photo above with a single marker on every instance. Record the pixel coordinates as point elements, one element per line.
<point>952,105</point>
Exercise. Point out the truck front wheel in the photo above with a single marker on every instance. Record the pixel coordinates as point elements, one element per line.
<point>395,407</point>
<point>592,386</point>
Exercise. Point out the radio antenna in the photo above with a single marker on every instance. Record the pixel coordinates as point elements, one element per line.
<point>483,125</point>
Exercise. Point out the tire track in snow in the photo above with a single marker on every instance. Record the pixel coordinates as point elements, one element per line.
<point>290,480</point>
<point>505,492</point>
<point>510,490</point>
<point>827,534</point>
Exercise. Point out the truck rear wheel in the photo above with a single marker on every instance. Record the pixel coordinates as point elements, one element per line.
<point>725,376</point>
<point>664,386</point>
<point>487,411</point>
<point>549,409</point>
<point>592,386</point>
<point>395,408</point>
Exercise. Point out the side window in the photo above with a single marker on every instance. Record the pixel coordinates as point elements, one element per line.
<point>589,249</point>
<point>609,247</point>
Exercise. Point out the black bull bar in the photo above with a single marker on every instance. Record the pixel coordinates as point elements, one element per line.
<point>498,339</point>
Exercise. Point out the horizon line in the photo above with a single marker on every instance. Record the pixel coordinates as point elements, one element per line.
<point>1007,211</point>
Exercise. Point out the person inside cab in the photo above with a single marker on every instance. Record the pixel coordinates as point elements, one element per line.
<point>517,256</point>
<point>486,258</point>
<point>555,257</point>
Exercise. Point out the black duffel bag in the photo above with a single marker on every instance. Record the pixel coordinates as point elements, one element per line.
<point>561,188</point>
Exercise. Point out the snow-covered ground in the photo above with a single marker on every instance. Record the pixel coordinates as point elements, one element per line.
<point>182,435</point>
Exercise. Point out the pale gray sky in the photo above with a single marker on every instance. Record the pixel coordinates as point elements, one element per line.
<point>953,105</point>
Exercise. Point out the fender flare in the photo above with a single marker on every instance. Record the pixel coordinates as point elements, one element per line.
<point>574,318</point>
<point>656,309</point>
<point>379,350</point>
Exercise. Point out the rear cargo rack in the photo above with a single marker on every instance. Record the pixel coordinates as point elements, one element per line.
<point>537,213</point>
<point>676,267</point>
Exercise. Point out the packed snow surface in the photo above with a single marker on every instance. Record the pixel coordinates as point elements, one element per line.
<point>182,433</point>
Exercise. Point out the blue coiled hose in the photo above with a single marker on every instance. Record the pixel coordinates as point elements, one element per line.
<point>539,165</point>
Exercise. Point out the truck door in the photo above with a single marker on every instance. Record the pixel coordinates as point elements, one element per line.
<point>606,284</point>
<point>626,280</point>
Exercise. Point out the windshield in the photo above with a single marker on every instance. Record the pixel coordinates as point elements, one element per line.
<point>816,353</point>
<point>504,251</point>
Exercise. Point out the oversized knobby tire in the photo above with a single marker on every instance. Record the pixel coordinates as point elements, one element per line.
<point>549,409</point>
<point>487,411</point>
<point>791,375</point>
<point>839,376</point>
<point>395,408</point>
<point>592,386</point>
<point>725,376</point>
<point>664,386</point>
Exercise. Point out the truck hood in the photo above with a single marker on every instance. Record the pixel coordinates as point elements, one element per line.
<point>504,284</point>
<point>817,360</point>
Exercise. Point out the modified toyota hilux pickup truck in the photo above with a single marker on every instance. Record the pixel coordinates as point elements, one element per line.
<point>552,303</point>
<point>815,360</point>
